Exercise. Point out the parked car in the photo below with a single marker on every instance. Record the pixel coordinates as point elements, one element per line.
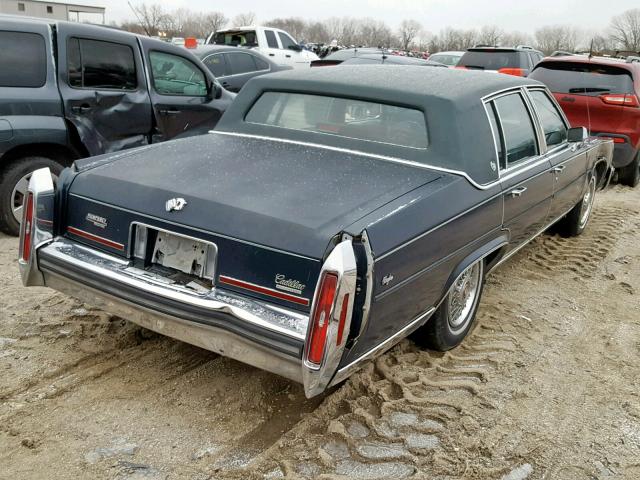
<point>518,61</point>
<point>450,59</point>
<point>70,90</point>
<point>329,214</point>
<point>233,66</point>
<point>385,59</point>
<point>601,93</point>
<point>339,56</point>
<point>274,43</point>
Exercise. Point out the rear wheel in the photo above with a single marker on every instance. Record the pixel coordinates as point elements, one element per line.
<point>14,181</point>
<point>454,317</point>
<point>630,175</point>
<point>574,223</point>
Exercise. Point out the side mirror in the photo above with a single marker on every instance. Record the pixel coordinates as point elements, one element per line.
<point>577,134</point>
<point>295,48</point>
<point>214,90</point>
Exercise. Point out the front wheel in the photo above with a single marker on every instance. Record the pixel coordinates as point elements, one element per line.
<point>454,317</point>
<point>576,220</point>
<point>14,181</point>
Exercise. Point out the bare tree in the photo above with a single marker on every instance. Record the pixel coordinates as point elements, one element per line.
<point>214,21</point>
<point>293,25</point>
<point>150,16</point>
<point>244,19</point>
<point>317,32</point>
<point>517,38</point>
<point>556,37</point>
<point>625,30</point>
<point>490,35</point>
<point>409,30</point>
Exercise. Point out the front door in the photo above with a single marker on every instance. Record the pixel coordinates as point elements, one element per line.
<point>527,185</point>
<point>103,87</point>
<point>182,104</point>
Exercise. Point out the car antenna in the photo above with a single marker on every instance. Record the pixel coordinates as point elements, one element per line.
<point>591,50</point>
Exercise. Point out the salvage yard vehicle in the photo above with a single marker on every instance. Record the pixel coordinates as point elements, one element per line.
<point>450,59</point>
<point>518,61</point>
<point>69,90</point>
<point>330,214</point>
<point>389,59</point>
<point>272,42</point>
<point>602,94</point>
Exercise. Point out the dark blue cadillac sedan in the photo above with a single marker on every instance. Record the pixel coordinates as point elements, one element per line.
<point>330,214</point>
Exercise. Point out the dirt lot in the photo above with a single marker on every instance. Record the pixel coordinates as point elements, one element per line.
<point>546,386</point>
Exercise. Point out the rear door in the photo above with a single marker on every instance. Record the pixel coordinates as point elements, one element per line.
<point>243,66</point>
<point>102,84</point>
<point>568,161</point>
<point>179,90</point>
<point>524,173</point>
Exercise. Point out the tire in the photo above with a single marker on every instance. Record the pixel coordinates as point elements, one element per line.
<point>575,222</point>
<point>630,175</point>
<point>446,330</point>
<point>13,179</point>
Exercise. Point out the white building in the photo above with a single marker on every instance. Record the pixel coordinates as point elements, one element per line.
<point>53,10</point>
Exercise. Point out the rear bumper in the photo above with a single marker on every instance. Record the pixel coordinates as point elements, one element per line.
<point>623,153</point>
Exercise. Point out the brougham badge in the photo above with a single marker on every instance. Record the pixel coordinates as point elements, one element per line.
<point>288,285</point>
<point>175,204</point>
<point>96,220</point>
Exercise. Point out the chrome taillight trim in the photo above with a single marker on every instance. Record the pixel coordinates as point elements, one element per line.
<point>43,190</point>
<point>342,262</point>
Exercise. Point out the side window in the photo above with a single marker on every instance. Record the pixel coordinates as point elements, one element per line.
<point>271,39</point>
<point>555,130</point>
<point>261,64</point>
<point>241,63</point>
<point>497,134</point>
<point>98,64</point>
<point>175,75</point>
<point>517,128</point>
<point>217,64</point>
<point>286,41</point>
<point>23,59</point>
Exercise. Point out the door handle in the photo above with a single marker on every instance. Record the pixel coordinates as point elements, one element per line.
<point>288,56</point>
<point>169,112</point>
<point>272,54</point>
<point>559,169</point>
<point>517,192</point>
<point>81,108</point>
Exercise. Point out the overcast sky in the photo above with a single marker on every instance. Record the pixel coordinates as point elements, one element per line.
<point>510,15</point>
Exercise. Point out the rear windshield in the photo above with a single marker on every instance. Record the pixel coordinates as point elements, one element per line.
<point>246,38</point>
<point>450,60</point>
<point>583,78</point>
<point>343,117</point>
<point>492,60</point>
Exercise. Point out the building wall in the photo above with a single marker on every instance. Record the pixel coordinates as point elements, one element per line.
<point>53,11</point>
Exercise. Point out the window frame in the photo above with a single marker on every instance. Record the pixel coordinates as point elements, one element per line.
<point>563,117</point>
<point>224,59</point>
<point>275,37</point>
<point>110,89</point>
<point>228,60</point>
<point>45,54</point>
<point>281,34</point>
<point>153,81</point>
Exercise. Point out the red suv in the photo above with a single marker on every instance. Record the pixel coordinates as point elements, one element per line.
<point>602,94</point>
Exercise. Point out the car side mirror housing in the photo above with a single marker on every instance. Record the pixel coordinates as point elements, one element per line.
<point>214,90</point>
<point>577,134</point>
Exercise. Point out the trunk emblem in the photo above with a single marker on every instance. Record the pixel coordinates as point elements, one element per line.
<point>175,204</point>
<point>289,285</point>
<point>96,220</point>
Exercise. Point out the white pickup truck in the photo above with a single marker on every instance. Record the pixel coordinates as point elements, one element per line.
<point>276,44</point>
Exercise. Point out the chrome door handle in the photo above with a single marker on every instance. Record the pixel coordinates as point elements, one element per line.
<point>517,192</point>
<point>559,169</point>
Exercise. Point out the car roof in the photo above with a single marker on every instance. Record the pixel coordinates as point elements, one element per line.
<point>351,52</point>
<point>393,59</point>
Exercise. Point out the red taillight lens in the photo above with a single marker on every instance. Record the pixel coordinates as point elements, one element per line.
<point>27,227</point>
<point>322,318</point>
<point>622,99</point>
<point>343,318</point>
<point>517,72</point>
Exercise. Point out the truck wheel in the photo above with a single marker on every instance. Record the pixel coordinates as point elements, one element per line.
<point>454,317</point>
<point>14,180</point>
<point>630,175</point>
<point>574,223</point>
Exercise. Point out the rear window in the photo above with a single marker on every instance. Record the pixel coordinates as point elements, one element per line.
<point>98,64</point>
<point>493,60</point>
<point>343,117</point>
<point>243,38</point>
<point>583,78</point>
<point>23,59</point>
<point>450,60</point>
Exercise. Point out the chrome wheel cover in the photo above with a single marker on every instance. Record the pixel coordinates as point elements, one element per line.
<point>587,203</point>
<point>463,296</point>
<point>19,193</point>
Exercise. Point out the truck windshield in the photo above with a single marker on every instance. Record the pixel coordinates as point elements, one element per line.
<point>343,117</point>
<point>241,38</point>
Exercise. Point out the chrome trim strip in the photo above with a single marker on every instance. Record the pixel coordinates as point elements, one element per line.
<point>187,227</point>
<point>348,370</point>
<point>236,282</point>
<point>369,278</point>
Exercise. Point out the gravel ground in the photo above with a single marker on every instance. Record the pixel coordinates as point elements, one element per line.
<point>545,387</point>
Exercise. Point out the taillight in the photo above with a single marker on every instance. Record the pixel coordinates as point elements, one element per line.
<point>27,228</point>
<point>517,72</point>
<point>322,318</point>
<point>622,99</point>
